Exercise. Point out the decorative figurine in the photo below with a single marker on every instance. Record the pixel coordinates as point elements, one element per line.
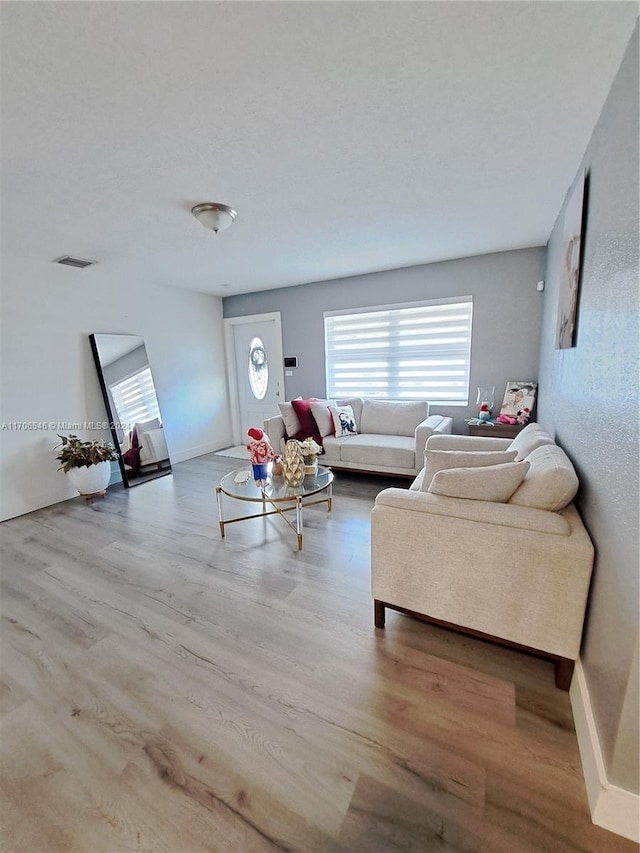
<point>260,453</point>
<point>484,414</point>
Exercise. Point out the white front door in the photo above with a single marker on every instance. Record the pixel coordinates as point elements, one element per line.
<point>256,372</point>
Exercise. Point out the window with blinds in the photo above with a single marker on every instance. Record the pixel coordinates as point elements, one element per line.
<point>135,398</point>
<point>415,351</point>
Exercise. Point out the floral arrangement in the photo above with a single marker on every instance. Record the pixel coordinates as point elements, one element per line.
<point>310,449</point>
<point>76,453</point>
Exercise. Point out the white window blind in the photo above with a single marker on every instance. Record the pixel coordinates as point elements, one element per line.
<point>416,351</point>
<point>135,398</point>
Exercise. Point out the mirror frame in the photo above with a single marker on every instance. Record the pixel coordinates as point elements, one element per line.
<point>113,416</point>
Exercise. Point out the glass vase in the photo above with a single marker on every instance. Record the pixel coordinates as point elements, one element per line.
<point>486,395</point>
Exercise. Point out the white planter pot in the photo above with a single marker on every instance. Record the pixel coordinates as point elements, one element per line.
<point>91,479</point>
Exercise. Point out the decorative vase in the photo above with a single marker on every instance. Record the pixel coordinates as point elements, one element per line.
<point>91,479</point>
<point>485,397</point>
<point>293,464</point>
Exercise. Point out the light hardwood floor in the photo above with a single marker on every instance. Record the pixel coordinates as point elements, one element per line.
<point>165,690</point>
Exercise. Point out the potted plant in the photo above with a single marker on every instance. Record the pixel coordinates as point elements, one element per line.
<point>86,463</point>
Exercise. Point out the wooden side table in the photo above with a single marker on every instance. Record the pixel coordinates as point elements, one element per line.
<point>495,430</point>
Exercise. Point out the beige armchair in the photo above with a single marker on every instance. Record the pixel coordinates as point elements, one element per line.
<point>507,571</point>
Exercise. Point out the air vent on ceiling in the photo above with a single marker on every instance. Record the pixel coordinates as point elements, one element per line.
<point>79,263</point>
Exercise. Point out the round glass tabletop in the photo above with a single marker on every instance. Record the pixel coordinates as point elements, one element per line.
<point>275,489</point>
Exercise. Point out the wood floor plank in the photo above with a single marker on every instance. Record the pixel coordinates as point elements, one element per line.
<point>163,689</point>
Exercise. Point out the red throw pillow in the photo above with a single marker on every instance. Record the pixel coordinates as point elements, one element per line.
<point>308,425</point>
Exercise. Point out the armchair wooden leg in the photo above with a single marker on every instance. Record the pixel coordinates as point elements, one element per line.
<point>564,673</point>
<point>378,613</point>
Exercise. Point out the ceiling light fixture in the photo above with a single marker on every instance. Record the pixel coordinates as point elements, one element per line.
<point>216,217</point>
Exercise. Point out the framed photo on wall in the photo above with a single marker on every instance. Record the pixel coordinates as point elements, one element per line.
<point>517,397</point>
<point>571,266</point>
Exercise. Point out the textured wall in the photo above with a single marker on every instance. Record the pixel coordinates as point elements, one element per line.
<point>589,399</point>
<point>506,315</point>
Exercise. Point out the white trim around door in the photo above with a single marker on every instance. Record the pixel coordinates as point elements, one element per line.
<point>276,364</point>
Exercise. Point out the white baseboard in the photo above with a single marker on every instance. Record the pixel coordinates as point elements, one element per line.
<point>15,505</point>
<point>611,807</point>
<point>192,452</point>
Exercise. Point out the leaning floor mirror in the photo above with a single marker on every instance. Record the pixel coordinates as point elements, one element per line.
<point>132,407</point>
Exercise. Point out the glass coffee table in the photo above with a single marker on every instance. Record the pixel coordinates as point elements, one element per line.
<point>275,493</point>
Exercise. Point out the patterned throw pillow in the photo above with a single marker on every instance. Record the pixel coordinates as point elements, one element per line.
<point>343,421</point>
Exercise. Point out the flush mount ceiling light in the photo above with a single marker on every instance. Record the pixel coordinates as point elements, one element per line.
<point>216,217</point>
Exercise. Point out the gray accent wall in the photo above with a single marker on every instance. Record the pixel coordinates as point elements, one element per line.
<point>507,312</point>
<point>589,400</point>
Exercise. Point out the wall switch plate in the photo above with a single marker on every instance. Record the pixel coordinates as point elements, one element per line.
<point>540,286</point>
<point>288,373</point>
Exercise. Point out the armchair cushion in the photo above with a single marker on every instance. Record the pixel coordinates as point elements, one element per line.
<point>501,515</point>
<point>551,482</point>
<point>492,483</point>
<point>531,437</point>
<point>442,460</point>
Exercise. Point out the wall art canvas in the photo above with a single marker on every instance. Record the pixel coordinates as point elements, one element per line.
<point>570,272</point>
<point>517,397</point>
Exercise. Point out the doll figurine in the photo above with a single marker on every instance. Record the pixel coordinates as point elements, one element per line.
<point>260,453</point>
<point>484,414</point>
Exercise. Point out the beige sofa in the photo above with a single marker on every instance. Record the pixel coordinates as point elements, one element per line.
<point>391,437</point>
<point>515,571</point>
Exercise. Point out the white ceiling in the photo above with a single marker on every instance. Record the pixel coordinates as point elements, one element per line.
<point>349,136</point>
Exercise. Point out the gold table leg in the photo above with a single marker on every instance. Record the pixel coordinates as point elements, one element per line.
<point>220,518</point>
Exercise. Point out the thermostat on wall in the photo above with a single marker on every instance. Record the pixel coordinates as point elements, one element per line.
<point>290,361</point>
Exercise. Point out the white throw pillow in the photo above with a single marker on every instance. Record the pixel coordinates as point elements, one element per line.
<point>494,483</point>
<point>442,460</point>
<point>145,426</point>
<point>291,422</point>
<point>322,416</point>
<point>344,421</point>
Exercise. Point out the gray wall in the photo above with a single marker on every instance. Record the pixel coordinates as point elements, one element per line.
<point>589,399</point>
<point>507,312</point>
